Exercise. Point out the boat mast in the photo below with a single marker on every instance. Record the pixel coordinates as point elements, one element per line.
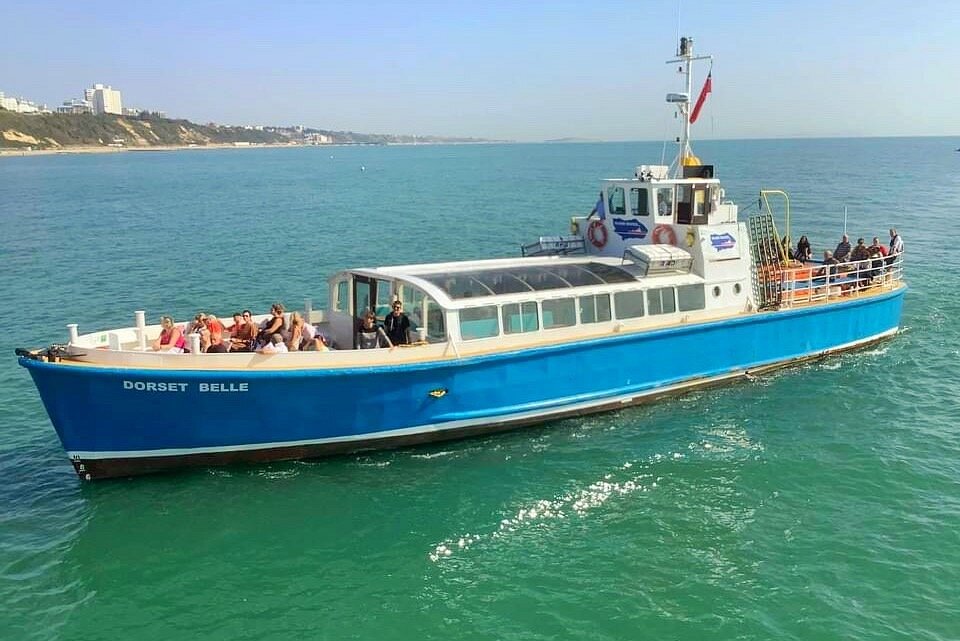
<point>682,100</point>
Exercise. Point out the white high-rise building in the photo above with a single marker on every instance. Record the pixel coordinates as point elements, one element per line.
<point>105,99</point>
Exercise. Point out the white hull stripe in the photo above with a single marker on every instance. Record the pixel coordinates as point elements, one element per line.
<point>453,425</point>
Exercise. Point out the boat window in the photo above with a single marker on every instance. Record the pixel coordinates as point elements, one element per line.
<point>519,279</point>
<point>665,202</point>
<point>638,202</point>
<point>700,206</point>
<point>361,295</point>
<point>616,200</point>
<point>684,209</point>
<point>690,298</point>
<point>519,317</point>
<point>628,304</point>
<point>413,305</point>
<point>341,300</point>
<point>384,297</point>
<point>692,204</point>
<point>594,309</point>
<point>661,301</point>
<point>559,312</point>
<point>479,322</point>
<point>714,198</point>
<point>436,327</point>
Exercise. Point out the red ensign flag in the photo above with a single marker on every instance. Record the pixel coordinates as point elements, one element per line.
<point>707,88</point>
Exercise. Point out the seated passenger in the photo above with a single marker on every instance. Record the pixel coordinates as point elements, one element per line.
<point>397,325</point>
<point>320,343</point>
<point>217,346</point>
<point>860,251</point>
<point>273,325</point>
<point>876,264</point>
<point>213,326</point>
<point>881,248</point>
<point>369,335</point>
<point>803,253</point>
<point>237,323</point>
<point>198,325</point>
<point>829,264</point>
<point>274,346</point>
<point>171,338</point>
<point>243,335</point>
<point>301,333</point>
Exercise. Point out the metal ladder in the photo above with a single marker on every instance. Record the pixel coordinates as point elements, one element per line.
<point>767,253</point>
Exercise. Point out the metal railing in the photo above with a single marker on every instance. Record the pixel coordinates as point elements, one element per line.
<point>815,281</point>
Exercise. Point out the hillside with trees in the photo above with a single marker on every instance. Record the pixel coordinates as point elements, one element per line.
<point>55,131</point>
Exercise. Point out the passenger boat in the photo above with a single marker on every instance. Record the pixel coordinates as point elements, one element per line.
<point>659,290</point>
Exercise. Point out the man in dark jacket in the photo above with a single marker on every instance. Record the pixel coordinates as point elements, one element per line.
<point>397,325</point>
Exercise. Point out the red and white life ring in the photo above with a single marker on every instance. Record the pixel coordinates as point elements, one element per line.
<point>664,235</point>
<point>597,234</point>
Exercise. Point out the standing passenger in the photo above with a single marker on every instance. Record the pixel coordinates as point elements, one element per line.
<point>842,252</point>
<point>804,253</point>
<point>896,243</point>
<point>397,325</point>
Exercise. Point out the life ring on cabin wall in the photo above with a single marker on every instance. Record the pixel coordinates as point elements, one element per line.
<point>597,234</point>
<point>664,235</point>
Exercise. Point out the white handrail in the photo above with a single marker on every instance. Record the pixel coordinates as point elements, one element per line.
<point>815,281</point>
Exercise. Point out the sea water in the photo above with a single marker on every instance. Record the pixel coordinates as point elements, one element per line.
<point>822,502</point>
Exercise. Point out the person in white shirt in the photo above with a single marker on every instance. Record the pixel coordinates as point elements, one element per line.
<point>896,243</point>
<point>275,346</point>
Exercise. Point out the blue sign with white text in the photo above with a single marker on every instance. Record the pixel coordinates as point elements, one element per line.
<point>629,228</point>
<point>722,241</point>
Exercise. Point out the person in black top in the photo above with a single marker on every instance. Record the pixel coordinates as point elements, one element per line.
<point>397,325</point>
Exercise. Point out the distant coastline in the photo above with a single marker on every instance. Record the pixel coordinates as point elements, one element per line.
<point>10,152</point>
<point>88,133</point>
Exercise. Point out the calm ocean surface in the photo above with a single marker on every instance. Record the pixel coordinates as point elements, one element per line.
<point>822,502</point>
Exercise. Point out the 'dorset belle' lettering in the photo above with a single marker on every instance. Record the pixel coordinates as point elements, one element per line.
<point>224,387</point>
<point>151,386</point>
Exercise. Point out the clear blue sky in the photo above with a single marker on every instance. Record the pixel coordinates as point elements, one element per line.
<point>506,70</point>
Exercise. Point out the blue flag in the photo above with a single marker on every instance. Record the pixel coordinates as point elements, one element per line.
<point>599,208</point>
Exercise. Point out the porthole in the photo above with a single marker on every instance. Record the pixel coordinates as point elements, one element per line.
<point>716,292</point>
<point>736,288</point>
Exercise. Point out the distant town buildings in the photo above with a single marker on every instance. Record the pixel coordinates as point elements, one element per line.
<point>75,106</point>
<point>104,99</point>
<point>21,105</point>
<point>317,139</point>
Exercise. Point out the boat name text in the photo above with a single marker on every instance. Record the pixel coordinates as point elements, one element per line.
<point>145,386</point>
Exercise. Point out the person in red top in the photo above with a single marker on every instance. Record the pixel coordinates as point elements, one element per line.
<point>876,243</point>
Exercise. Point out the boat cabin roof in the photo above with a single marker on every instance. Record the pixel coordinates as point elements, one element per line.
<point>456,284</point>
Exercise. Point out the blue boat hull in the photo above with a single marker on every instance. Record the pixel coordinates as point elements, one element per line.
<point>125,421</point>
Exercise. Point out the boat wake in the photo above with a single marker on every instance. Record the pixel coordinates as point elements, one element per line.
<point>632,478</point>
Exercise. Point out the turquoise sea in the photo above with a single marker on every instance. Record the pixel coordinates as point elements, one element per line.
<point>822,502</point>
